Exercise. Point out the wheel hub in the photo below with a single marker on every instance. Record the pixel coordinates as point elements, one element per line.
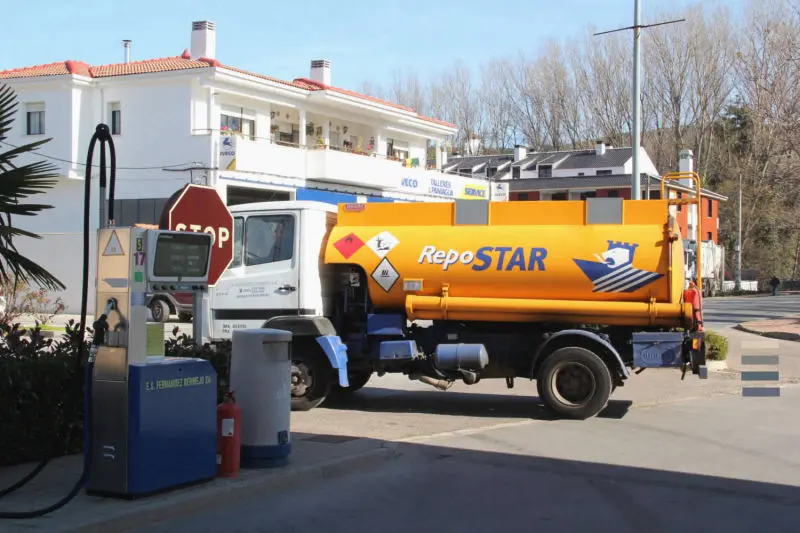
<point>302,380</point>
<point>574,383</point>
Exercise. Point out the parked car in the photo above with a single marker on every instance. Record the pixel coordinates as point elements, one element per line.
<point>164,304</point>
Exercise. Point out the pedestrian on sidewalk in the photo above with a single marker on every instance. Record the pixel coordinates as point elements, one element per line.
<point>775,282</point>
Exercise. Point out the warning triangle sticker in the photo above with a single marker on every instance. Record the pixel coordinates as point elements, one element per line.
<point>114,247</point>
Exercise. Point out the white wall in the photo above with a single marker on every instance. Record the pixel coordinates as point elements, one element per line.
<point>58,121</point>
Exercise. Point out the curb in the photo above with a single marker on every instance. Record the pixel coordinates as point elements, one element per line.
<point>779,335</point>
<point>230,491</point>
<point>717,366</point>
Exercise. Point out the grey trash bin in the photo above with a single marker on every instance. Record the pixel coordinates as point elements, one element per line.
<point>261,373</point>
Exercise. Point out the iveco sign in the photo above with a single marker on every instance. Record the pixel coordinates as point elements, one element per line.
<point>409,183</point>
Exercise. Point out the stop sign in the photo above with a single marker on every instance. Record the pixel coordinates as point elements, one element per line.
<point>200,208</point>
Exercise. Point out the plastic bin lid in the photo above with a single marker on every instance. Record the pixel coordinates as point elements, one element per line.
<point>267,334</point>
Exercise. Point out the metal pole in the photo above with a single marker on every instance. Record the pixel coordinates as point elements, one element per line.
<point>198,317</point>
<point>636,193</point>
<point>738,282</point>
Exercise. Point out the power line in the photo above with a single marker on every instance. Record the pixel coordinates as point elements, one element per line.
<point>46,156</point>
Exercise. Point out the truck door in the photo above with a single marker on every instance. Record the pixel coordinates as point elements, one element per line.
<point>262,281</point>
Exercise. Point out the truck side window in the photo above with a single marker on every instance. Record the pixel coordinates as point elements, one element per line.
<point>238,240</point>
<point>268,239</point>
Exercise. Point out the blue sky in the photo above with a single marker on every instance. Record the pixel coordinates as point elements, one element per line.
<point>363,40</point>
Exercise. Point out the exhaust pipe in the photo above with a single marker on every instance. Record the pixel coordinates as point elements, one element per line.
<point>440,384</point>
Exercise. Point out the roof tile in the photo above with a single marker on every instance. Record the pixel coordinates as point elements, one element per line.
<point>184,62</point>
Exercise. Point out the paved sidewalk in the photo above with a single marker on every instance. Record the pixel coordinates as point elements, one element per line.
<point>314,456</point>
<point>787,328</point>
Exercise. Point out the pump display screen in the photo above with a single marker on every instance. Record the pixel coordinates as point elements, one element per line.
<point>181,255</point>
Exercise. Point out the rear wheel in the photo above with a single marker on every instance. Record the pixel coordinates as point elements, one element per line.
<point>312,377</point>
<point>575,383</point>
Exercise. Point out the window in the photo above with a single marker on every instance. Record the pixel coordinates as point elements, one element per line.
<point>613,193</point>
<point>559,196</point>
<point>515,173</point>
<point>545,171</point>
<point>603,172</point>
<point>522,196</point>
<point>589,194</point>
<point>709,237</point>
<point>490,172</point>
<point>237,120</point>
<point>655,195</point>
<point>238,240</point>
<point>465,171</point>
<point>710,209</point>
<point>35,119</point>
<point>115,113</point>
<point>138,211</point>
<point>268,239</point>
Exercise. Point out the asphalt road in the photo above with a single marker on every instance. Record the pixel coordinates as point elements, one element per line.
<point>720,464</point>
<point>727,312</point>
<point>666,455</point>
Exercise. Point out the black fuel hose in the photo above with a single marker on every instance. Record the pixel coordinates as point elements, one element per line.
<point>102,134</point>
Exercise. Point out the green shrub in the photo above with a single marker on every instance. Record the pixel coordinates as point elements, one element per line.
<point>42,388</point>
<point>716,346</point>
<point>41,394</point>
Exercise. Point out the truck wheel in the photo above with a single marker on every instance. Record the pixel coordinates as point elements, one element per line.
<point>575,383</point>
<point>311,379</point>
<point>160,310</point>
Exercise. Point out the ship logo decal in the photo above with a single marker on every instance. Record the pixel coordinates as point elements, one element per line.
<point>614,272</point>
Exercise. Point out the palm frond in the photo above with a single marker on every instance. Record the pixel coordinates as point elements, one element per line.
<point>19,182</point>
<point>27,271</point>
<point>8,108</point>
<point>7,233</point>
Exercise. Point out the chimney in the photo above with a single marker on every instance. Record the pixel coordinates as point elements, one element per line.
<point>520,153</point>
<point>127,44</point>
<point>600,147</point>
<point>321,71</point>
<point>686,161</point>
<point>204,40</point>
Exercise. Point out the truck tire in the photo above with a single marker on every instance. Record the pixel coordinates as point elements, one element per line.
<point>574,383</point>
<point>159,310</point>
<point>312,376</point>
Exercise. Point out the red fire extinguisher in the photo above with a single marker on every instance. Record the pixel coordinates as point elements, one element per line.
<point>229,436</point>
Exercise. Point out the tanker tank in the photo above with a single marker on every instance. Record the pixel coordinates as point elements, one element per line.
<point>602,261</point>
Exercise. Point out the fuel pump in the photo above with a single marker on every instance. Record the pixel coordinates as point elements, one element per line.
<point>153,417</point>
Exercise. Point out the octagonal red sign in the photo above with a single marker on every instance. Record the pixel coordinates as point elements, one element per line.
<point>200,208</point>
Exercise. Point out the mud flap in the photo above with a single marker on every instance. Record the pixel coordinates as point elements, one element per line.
<point>336,351</point>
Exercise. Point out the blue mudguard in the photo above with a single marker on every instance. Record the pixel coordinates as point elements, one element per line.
<point>336,351</point>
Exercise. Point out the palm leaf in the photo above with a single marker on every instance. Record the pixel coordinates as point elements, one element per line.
<point>18,183</point>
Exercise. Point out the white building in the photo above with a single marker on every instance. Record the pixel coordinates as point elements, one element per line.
<point>190,117</point>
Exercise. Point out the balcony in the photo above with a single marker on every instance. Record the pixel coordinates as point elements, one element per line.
<point>323,164</point>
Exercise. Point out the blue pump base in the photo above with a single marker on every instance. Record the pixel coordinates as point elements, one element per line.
<point>274,456</point>
<point>156,432</point>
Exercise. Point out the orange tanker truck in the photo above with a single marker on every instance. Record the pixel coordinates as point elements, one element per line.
<point>573,294</point>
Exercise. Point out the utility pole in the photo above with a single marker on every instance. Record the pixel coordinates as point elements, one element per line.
<point>636,193</point>
<point>738,282</point>
<point>636,128</point>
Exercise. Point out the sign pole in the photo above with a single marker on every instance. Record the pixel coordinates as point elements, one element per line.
<point>198,317</point>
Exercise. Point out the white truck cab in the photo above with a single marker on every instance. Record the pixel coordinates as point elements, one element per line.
<point>278,266</point>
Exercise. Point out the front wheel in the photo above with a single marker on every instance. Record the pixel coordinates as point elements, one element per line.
<point>311,378</point>
<point>575,383</point>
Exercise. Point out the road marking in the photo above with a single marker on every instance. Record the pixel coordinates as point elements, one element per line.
<point>467,431</point>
